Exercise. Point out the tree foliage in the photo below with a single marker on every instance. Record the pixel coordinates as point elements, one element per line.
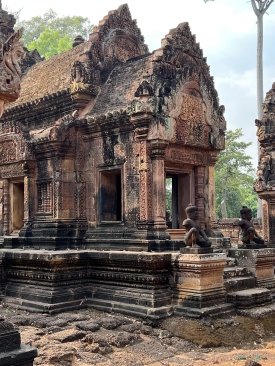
<point>50,43</point>
<point>234,177</point>
<point>51,34</point>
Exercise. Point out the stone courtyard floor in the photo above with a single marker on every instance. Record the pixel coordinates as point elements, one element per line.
<point>89,337</point>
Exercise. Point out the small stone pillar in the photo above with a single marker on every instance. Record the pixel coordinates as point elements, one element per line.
<point>6,209</point>
<point>12,353</point>
<point>269,217</point>
<point>260,262</point>
<point>199,289</point>
<point>158,183</point>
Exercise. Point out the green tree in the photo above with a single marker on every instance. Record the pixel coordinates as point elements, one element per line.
<point>50,43</point>
<point>234,177</point>
<point>51,34</point>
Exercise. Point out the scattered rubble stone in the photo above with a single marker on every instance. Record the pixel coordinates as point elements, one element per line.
<point>93,358</point>
<point>252,363</point>
<point>109,323</point>
<point>74,317</point>
<point>87,326</point>
<point>131,328</point>
<point>25,319</point>
<point>122,339</point>
<point>68,336</point>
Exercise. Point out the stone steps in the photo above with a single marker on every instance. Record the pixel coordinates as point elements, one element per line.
<point>231,272</point>
<point>239,283</point>
<point>250,298</point>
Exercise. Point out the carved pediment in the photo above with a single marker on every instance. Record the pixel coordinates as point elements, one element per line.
<point>115,40</point>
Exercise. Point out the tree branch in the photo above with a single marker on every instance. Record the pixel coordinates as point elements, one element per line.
<point>267,5</point>
<point>254,6</point>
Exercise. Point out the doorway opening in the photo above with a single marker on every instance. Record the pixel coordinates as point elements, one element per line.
<point>17,206</point>
<point>110,195</point>
<point>178,195</point>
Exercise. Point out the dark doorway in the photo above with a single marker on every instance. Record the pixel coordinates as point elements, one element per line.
<point>110,196</point>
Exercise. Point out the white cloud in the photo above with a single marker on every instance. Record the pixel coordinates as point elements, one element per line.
<point>245,81</point>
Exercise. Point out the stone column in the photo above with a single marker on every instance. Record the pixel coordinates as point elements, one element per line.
<point>211,194</point>
<point>269,221</point>
<point>158,183</point>
<point>141,123</point>
<point>6,201</point>
<point>26,229</point>
<point>199,192</point>
<point>265,221</point>
<point>26,199</point>
<point>199,288</point>
<point>145,197</point>
<point>57,186</point>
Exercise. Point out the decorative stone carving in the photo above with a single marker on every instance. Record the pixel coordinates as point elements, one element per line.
<point>265,182</point>
<point>116,39</point>
<point>144,90</point>
<point>12,51</point>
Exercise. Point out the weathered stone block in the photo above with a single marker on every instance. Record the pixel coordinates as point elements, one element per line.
<point>198,282</point>
<point>260,262</point>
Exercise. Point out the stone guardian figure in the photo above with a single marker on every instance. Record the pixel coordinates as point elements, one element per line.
<point>249,234</point>
<point>194,236</point>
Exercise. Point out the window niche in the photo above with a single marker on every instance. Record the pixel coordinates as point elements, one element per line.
<point>44,191</point>
<point>110,201</point>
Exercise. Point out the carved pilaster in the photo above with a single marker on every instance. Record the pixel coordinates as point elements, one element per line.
<point>199,192</point>
<point>145,172</point>
<point>6,200</point>
<point>26,199</point>
<point>158,183</point>
<point>57,189</point>
<point>265,221</point>
<point>268,203</point>
<point>141,123</point>
<point>271,221</point>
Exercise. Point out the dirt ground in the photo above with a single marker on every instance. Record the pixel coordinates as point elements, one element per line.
<point>88,337</point>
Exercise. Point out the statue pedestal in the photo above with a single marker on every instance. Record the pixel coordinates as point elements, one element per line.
<point>199,290</point>
<point>260,262</point>
<point>12,353</point>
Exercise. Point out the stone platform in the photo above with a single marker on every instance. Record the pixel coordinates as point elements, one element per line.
<point>250,298</point>
<point>54,281</point>
<point>142,284</point>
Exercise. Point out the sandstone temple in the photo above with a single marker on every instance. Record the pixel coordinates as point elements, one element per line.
<point>85,153</point>
<point>86,149</point>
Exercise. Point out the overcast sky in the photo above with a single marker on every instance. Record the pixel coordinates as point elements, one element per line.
<point>225,29</point>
